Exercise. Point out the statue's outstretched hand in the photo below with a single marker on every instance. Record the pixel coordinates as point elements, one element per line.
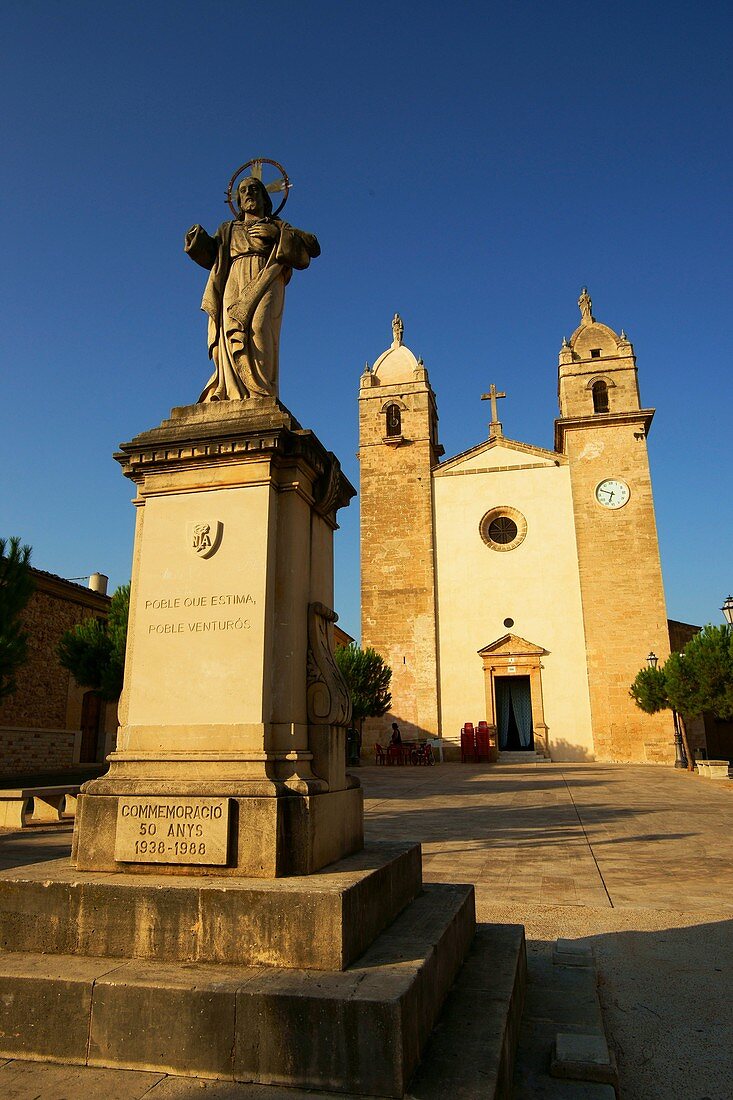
<point>200,246</point>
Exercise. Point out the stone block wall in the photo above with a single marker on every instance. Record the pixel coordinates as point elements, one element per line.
<point>621,583</point>
<point>24,751</point>
<point>397,566</point>
<point>39,721</point>
<point>618,551</point>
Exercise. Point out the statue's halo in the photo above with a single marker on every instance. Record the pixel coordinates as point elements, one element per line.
<point>279,184</point>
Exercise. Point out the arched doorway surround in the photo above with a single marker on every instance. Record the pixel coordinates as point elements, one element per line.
<point>511,655</point>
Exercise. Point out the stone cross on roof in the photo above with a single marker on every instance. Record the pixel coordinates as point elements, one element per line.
<point>493,396</point>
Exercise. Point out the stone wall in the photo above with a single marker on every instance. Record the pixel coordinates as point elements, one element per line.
<point>33,750</point>
<point>40,700</point>
<point>623,597</point>
<point>39,720</point>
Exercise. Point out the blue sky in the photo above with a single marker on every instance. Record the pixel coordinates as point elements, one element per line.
<point>469,165</point>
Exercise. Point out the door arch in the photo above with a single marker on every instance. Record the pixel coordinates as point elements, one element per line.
<point>511,656</point>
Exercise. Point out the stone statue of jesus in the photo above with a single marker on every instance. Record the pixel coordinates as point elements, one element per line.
<point>251,261</point>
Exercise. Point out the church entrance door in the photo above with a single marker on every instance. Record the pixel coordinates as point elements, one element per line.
<point>513,683</point>
<point>514,713</point>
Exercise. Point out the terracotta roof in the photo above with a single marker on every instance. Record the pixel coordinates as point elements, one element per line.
<point>56,577</point>
<point>75,590</point>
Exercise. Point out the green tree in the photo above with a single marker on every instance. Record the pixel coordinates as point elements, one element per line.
<point>679,684</point>
<point>16,587</point>
<point>693,682</point>
<point>651,693</point>
<point>367,678</point>
<point>94,651</point>
<point>702,679</point>
<point>649,690</point>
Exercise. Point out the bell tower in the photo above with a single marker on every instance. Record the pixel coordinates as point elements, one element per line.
<point>603,431</point>
<point>398,448</point>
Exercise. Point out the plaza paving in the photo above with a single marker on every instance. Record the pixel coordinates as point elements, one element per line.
<point>636,861</point>
<point>586,834</point>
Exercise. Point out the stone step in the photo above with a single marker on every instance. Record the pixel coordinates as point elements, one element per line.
<point>563,1015</point>
<point>472,1051</point>
<point>469,1054</point>
<point>520,757</point>
<point>322,921</point>
<point>359,1031</point>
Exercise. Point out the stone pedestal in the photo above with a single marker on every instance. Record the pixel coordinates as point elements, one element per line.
<point>359,1029</point>
<point>231,691</point>
<point>246,933</point>
<point>319,922</point>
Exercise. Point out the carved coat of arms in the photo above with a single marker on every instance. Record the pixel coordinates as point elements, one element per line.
<point>204,537</point>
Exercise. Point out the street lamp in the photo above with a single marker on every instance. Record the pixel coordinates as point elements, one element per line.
<point>727,610</point>
<point>680,756</point>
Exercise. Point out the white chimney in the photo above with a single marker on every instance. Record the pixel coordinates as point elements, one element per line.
<point>98,583</point>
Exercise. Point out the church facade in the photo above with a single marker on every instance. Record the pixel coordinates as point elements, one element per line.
<point>513,584</point>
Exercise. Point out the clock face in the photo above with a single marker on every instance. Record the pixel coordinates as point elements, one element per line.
<point>612,493</point>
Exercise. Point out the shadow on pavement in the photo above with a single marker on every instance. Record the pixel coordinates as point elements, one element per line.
<point>666,1010</point>
<point>37,844</point>
<point>52,779</point>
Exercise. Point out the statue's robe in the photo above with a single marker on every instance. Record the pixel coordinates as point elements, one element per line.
<point>250,267</point>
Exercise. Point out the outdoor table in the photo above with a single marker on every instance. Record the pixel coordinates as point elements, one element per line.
<point>419,751</point>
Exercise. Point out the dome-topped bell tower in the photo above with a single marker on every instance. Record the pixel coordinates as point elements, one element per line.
<point>597,369</point>
<point>398,448</point>
<point>603,432</point>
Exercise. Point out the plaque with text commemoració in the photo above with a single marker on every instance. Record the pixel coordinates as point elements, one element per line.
<point>172,830</point>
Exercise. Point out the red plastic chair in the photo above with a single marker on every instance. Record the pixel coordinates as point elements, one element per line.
<point>380,754</point>
<point>468,743</point>
<point>483,747</point>
<point>395,754</point>
<point>422,755</point>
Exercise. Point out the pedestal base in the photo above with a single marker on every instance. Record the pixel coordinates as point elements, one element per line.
<point>268,837</point>
<point>321,921</point>
<point>359,1031</point>
<point>332,980</point>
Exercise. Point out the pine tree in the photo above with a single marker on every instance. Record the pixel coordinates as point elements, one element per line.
<point>94,650</point>
<point>696,681</point>
<point>367,678</point>
<point>649,690</point>
<point>701,679</point>
<point>16,588</point>
<point>656,689</point>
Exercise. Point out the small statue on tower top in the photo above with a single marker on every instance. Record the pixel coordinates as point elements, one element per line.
<point>397,330</point>
<point>586,305</point>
